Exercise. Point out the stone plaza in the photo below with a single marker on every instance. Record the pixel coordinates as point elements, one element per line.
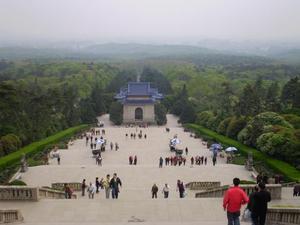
<point>134,203</point>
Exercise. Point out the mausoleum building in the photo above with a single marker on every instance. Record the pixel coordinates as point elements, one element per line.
<point>138,100</point>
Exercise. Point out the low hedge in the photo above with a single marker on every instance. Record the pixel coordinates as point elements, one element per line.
<point>38,146</point>
<point>290,172</point>
<point>17,183</point>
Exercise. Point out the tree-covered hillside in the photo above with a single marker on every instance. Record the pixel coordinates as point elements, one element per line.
<point>252,99</point>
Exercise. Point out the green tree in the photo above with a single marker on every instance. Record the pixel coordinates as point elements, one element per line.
<point>272,98</point>
<point>160,114</point>
<point>291,92</point>
<point>116,113</point>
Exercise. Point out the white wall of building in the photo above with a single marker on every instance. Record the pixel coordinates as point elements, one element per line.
<point>129,113</point>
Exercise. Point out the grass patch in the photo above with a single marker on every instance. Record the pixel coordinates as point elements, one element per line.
<point>285,206</point>
<point>287,170</point>
<point>239,160</point>
<point>8,163</point>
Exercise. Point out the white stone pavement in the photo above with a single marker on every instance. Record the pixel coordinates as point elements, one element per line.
<point>77,163</point>
<point>135,199</point>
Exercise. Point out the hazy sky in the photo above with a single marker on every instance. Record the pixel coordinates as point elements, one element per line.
<point>138,20</point>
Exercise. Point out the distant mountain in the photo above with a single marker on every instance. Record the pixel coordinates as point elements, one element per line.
<point>132,51</point>
<point>289,56</point>
<point>143,50</point>
<point>104,51</point>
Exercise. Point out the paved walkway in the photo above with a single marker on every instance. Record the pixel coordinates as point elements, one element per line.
<point>135,203</point>
<point>78,163</point>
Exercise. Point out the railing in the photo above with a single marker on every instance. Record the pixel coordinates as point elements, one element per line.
<point>53,194</point>
<point>203,185</point>
<point>274,189</point>
<point>10,216</point>
<point>290,184</point>
<point>283,216</point>
<point>75,186</point>
<point>23,193</point>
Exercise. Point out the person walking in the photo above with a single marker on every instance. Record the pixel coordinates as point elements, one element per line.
<point>154,191</point>
<point>68,191</point>
<point>91,190</point>
<point>58,160</point>
<point>111,146</point>
<point>214,159</point>
<point>97,182</point>
<point>116,146</point>
<point>180,188</point>
<point>186,151</point>
<point>166,190</point>
<point>83,187</point>
<point>192,161</point>
<point>106,185</point>
<point>161,161</point>
<point>115,182</point>
<point>135,160</point>
<point>233,199</point>
<point>259,206</point>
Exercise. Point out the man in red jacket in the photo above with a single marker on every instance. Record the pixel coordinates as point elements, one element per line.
<point>234,198</point>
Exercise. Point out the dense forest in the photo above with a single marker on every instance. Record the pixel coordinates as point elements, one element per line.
<point>251,99</point>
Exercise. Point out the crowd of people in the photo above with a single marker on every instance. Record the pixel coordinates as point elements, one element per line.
<point>108,185</point>
<point>180,188</point>
<point>135,135</point>
<point>181,161</point>
<point>257,203</point>
<point>132,160</point>
<point>233,198</point>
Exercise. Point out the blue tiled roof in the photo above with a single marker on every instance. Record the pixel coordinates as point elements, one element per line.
<point>138,89</point>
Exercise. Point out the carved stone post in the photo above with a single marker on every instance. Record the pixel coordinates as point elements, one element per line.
<point>24,166</point>
<point>249,162</point>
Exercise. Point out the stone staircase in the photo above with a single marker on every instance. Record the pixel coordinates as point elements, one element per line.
<point>152,211</point>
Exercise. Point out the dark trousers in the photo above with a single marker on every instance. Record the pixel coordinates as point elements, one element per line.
<point>82,191</point>
<point>166,194</point>
<point>154,194</point>
<point>114,193</point>
<point>233,218</point>
<point>181,194</point>
<point>258,219</point>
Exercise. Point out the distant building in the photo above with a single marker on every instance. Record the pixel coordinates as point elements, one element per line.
<point>138,100</point>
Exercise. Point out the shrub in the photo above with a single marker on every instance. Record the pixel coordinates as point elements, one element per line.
<point>9,143</point>
<point>247,182</point>
<point>116,113</point>
<point>160,114</point>
<point>292,119</point>
<point>259,125</point>
<point>235,126</point>
<point>203,117</point>
<point>224,125</point>
<point>290,172</point>
<point>17,183</point>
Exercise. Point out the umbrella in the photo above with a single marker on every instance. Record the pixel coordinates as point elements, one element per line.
<point>215,147</point>
<point>175,141</point>
<point>100,141</point>
<point>231,149</point>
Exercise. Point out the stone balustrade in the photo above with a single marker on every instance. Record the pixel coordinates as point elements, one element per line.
<point>75,186</point>
<point>274,189</point>
<point>53,194</point>
<point>203,185</point>
<point>23,193</point>
<point>10,216</point>
<point>283,216</point>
